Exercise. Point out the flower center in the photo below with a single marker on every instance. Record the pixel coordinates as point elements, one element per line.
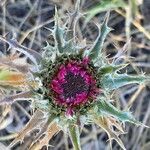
<point>74,85</point>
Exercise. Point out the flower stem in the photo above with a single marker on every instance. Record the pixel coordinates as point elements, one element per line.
<point>75,136</point>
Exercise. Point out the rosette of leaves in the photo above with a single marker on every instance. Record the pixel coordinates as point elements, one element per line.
<point>68,85</point>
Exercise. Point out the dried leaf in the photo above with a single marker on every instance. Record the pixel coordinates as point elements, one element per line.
<point>106,125</point>
<point>4,120</point>
<point>12,98</point>
<point>12,78</point>
<point>50,132</point>
<point>7,62</point>
<point>33,55</point>
<point>44,127</point>
<point>34,123</point>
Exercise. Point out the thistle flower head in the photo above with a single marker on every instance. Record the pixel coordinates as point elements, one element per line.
<point>68,84</point>
<point>74,85</point>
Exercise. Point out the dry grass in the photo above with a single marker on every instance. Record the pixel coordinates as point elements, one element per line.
<point>27,21</point>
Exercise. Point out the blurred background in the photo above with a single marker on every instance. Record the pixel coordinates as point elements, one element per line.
<point>28,21</point>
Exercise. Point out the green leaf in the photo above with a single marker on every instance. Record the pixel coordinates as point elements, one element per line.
<point>95,51</point>
<point>58,33</point>
<point>4,74</point>
<point>107,109</point>
<point>65,35</point>
<point>73,18</point>
<point>111,68</point>
<point>134,7</point>
<point>105,5</point>
<point>49,52</point>
<point>34,123</point>
<point>75,136</point>
<point>115,81</point>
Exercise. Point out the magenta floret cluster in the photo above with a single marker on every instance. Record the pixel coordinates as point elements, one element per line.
<point>73,85</point>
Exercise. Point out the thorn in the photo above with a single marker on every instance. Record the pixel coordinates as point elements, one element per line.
<point>77,6</point>
<point>106,19</point>
<point>49,29</point>
<point>56,12</point>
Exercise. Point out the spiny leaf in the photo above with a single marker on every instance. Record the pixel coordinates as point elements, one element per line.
<point>105,124</point>
<point>50,132</point>
<point>121,53</point>
<point>34,56</point>
<point>66,42</point>
<point>97,46</point>
<point>75,136</point>
<point>42,105</point>
<point>115,81</point>
<point>111,68</point>
<point>64,35</point>
<point>73,18</point>
<point>44,128</point>
<point>49,52</point>
<point>69,46</point>
<point>116,124</point>
<point>35,122</point>
<point>58,33</point>
<point>107,109</point>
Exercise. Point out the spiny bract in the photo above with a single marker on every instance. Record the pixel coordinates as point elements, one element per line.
<point>68,86</point>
